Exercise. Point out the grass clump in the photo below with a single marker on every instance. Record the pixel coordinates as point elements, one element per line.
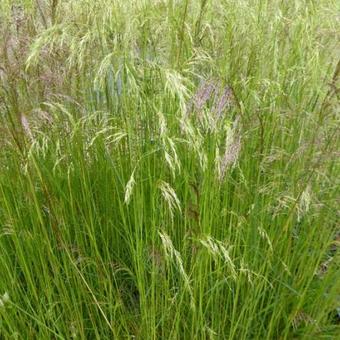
<point>168,169</point>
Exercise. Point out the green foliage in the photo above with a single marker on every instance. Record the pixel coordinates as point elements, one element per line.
<point>168,169</point>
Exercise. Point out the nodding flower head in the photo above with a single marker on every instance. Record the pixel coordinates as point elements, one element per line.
<point>26,126</point>
<point>203,94</point>
<point>224,102</point>
<point>222,99</point>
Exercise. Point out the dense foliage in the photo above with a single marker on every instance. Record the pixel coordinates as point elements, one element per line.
<point>169,169</point>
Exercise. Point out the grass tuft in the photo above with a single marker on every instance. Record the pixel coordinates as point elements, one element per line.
<point>169,169</point>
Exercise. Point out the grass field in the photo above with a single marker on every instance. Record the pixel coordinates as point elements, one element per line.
<point>169,169</point>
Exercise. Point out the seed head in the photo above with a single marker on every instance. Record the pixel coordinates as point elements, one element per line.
<point>26,126</point>
<point>224,101</point>
<point>203,94</point>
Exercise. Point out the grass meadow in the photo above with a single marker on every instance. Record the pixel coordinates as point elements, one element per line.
<point>169,169</point>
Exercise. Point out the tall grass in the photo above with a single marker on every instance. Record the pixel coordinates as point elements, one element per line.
<point>168,169</point>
